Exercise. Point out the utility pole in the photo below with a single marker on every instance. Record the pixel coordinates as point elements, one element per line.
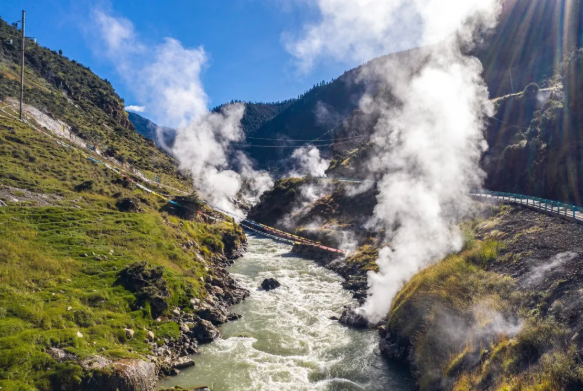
<point>22,67</point>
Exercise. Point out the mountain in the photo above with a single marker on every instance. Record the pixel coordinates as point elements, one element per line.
<point>68,91</point>
<point>150,130</point>
<point>527,46</point>
<point>258,114</point>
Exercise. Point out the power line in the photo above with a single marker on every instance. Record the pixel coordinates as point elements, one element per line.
<point>290,140</point>
<point>290,146</point>
<point>281,146</point>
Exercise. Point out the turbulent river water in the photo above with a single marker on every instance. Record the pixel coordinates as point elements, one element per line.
<point>285,340</point>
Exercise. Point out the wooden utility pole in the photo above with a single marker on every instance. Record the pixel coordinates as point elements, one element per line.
<point>22,67</point>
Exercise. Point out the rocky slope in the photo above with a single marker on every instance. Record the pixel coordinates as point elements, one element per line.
<point>503,314</point>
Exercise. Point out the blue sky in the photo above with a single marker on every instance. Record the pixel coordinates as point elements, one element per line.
<point>243,39</point>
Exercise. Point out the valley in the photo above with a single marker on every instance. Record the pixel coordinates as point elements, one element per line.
<point>412,224</point>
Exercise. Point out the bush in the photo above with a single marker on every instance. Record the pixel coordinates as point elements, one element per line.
<point>85,186</point>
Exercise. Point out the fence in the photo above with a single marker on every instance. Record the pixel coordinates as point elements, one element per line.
<point>548,206</point>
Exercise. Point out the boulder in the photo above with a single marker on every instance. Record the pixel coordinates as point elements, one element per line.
<point>151,336</point>
<point>128,205</point>
<point>217,315</point>
<point>123,375</point>
<point>204,331</point>
<point>183,362</point>
<point>129,333</point>
<point>270,284</point>
<point>354,319</point>
<point>60,355</point>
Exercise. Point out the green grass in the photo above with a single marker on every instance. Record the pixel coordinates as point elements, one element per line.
<point>70,92</point>
<point>444,310</point>
<point>449,293</point>
<point>60,264</point>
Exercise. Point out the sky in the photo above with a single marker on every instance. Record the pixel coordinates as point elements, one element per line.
<point>243,39</point>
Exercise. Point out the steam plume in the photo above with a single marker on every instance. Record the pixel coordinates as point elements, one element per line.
<point>429,135</point>
<point>307,161</point>
<point>166,79</point>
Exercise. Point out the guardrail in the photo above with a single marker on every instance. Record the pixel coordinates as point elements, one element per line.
<point>549,206</point>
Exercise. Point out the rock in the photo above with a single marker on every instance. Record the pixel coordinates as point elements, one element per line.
<point>183,362</point>
<point>355,284</point>
<point>176,311</point>
<point>354,319</point>
<point>234,316</point>
<point>382,331</point>
<point>128,205</point>
<point>204,331</point>
<point>270,284</point>
<point>60,355</point>
<point>334,318</point>
<point>69,308</point>
<point>217,315</point>
<point>2,204</point>
<point>79,335</point>
<point>124,375</point>
<point>95,362</point>
<point>129,333</point>
<point>151,336</point>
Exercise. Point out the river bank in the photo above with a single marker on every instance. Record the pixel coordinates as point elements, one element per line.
<point>505,313</point>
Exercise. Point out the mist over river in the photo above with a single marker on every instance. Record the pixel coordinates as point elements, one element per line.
<point>286,340</point>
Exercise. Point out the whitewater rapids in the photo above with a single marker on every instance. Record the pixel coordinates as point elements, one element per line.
<point>286,340</point>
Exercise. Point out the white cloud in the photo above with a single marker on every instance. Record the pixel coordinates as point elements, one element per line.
<point>166,78</point>
<point>137,109</point>
<point>363,29</point>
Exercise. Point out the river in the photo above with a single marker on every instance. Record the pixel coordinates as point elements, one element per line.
<point>286,340</point>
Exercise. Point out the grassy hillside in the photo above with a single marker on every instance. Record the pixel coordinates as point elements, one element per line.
<point>70,92</point>
<point>66,236</point>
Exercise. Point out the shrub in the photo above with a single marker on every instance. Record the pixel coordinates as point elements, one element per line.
<point>85,186</point>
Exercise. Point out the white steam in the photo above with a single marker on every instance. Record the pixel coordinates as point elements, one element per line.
<point>307,161</point>
<point>429,136</point>
<point>166,79</point>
